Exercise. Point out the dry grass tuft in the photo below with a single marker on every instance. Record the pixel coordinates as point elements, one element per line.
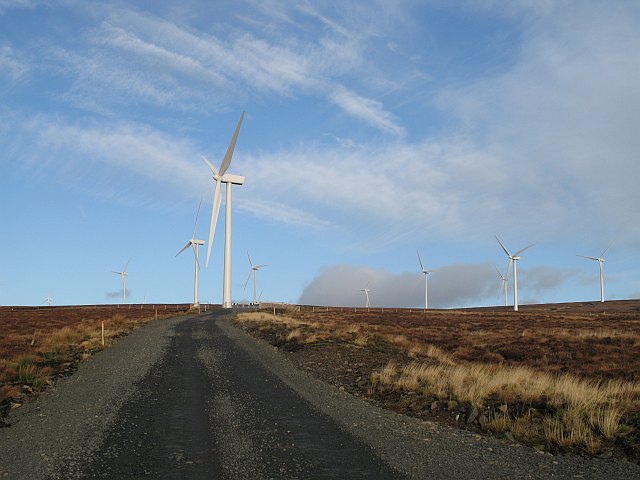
<point>362,339</point>
<point>585,410</point>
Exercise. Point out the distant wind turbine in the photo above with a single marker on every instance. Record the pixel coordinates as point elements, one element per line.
<point>600,261</point>
<point>426,282</point>
<point>514,259</point>
<point>220,176</point>
<point>194,244</point>
<point>124,274</point>
<point>505,279</point>
<point>48,300</point>
<point>366,294</point>
<point>254,271</point>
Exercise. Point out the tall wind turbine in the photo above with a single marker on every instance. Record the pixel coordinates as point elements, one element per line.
<point>124,274</point>
<point>426,282</point>
<point>254,271</point>
<point>366,294</point>
<point>600,261</point>
<point>194,244</point>
<point>220,176</point>
<point>514,259</point>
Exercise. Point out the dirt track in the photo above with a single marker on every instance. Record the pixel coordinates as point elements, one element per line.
<point>194,397</point>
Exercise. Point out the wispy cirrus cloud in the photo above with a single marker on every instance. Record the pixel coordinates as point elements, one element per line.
<point>367,109</point>
<point>112,157</point>
<point>134,57</point>
<point>10,4</point>
<point>12,65</point>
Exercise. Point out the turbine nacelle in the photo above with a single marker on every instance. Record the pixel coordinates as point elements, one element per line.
<point>230,178</point>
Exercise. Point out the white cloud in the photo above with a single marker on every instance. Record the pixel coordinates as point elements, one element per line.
<point>137,57</point>
<point>371,111</point>
<point>119,157</point>
<point>11,4</point>
<point>562,118</point>
<point>11,65</point>
<point>281,213</point>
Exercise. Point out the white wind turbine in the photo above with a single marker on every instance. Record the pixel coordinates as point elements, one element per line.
<point>254,271</point>
<point>194,244</point>
<point>505,284</point>
<point>600,261</point>
<point>514,259</point>
<point>366,294</point>
<point>426,282</point>
<point>48,300</point>
<point>220,176</point>
<point>123,274</point>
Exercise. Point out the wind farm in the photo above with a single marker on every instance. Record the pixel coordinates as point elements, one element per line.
<point>325,148</point>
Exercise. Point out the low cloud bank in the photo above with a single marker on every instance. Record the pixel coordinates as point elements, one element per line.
<point>451,286</point>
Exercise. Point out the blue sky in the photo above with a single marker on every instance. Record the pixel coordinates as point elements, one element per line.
<point>372,130</point>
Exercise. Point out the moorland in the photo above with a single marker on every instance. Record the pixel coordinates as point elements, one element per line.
<point>37,344</point>
<point>560,378</point>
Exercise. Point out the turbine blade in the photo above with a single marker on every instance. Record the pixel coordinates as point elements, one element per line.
<point>215,210</point>
<point>508,268</point>
<point>248,278</point>
<point>420,260</point>
<point>124,270</point>
<point>195,224</point>
<point>213,169</point>
<point>227,158</point>
<point>184,248</point>
<point>523,249</point>
<point>606,250</point>
<point>588,258</point>
<point>258,267</point>
<point>499,272</point>
<point>260,296</point>
<point>503,247</point>
<point>249,257</point>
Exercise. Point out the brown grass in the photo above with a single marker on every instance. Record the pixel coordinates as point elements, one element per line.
<point>35,343</point>
<point>568,380</point>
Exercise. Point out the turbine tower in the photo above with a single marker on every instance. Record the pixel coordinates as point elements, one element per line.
<point>366,294</point>
<point>254,271</point>
<point>194,244</point>
<point>426,282</point>
<point>220,176</point>
<point>514,259</point>
<point>124,274</point>
<point>600,261</point>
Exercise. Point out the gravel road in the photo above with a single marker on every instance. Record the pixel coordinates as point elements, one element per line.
<point>194,397</point>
